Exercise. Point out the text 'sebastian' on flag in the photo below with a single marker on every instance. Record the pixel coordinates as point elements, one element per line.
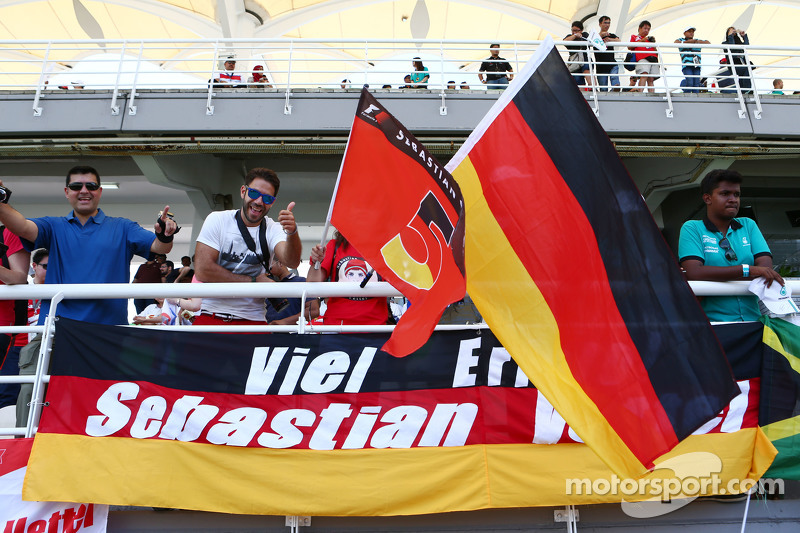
<point>568,268</point>
<point>398,206</point>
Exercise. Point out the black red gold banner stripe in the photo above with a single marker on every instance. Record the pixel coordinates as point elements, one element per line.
<point>310,425</point>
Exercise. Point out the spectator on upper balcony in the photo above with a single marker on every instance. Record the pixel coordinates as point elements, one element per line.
<point>646,58</point>
<point>578,61</point>
<point>86,246</point>
<point>498,71</point>
<point>722,247</point>
<point>228,77</point>
<point>736,56</point>
<point>419,78</point>
<point>345,84</point>
<point>690,60</point>
<point>464,85</point>
<point>607,66</point>
<point>777,86</point>
<point>258,78</point>
<point>452,84</point>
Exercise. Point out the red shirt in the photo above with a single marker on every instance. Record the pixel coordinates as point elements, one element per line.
<point>348,265</point>
<point>7,306</point>
<point>643,51</point>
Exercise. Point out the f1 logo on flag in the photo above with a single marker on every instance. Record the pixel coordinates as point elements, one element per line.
<point>404,213</point>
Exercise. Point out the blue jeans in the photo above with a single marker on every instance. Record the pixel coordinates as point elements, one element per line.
<point>691,82</point>
<point>603,79</point>
<point>498,83</point>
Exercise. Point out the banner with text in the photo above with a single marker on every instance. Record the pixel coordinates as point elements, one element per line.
<point>321,425</point>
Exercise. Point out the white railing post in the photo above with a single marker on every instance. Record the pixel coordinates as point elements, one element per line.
<point>287,107</point>
<point>115,94</point>
<point>37,111</point>
<point>209,107</point>
<point>662,67</point>
<point>132,98</point>
<point>443,107</point>
<point>42,364</point>
<point>756,97</point>
<point>592,78</point>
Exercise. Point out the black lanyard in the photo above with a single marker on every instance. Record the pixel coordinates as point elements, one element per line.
<point>248,239</point>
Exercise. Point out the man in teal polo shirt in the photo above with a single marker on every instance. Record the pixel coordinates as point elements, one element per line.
<point>86,246</point>
<point>722,247</point>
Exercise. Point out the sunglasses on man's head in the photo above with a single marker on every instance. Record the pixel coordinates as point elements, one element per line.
<point>255,195</point>
<point>730,255</point>
<point>78,185</point>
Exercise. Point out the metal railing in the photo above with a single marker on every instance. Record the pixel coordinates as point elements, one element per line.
<point>57,293</point>
<point>123,67</point>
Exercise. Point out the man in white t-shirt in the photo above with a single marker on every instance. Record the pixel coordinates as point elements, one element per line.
<point>235,246</point>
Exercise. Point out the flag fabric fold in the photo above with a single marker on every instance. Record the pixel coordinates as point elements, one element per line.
<point>398,206</point>
<point>779,413</point>
<point>568,268</point>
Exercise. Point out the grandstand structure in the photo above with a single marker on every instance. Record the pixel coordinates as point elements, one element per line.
<point>159,132</point>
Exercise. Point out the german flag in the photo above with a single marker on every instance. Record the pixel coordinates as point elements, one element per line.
<point>567,266</point>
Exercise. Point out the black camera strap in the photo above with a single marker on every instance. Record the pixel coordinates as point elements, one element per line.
<point>251,244</point>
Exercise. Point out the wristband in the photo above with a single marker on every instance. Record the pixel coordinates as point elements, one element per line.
<point>165,238</point>
<point>292,233</point>
<point>745,271</point>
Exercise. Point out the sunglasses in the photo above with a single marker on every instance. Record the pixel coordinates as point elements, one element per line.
<point>43,265</point>
<point>255,195</point>
<point>78,185</point>
<point>730,255</point>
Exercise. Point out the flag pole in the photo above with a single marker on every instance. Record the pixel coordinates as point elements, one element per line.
<point>327,225</point>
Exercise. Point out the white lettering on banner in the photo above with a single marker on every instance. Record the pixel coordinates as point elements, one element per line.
<point>548,425</point>
<point>732,420</point>
<point>69,520</point>
<point>397,427</point>
<point>437,171</point>
<point>323,374</point>
<point>467,360</point>
<point>116,413</point>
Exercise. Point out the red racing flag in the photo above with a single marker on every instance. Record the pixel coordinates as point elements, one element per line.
<point>405,214</point>
<point>568,268</point>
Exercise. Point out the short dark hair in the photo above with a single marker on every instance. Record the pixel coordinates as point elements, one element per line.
<point>645,23</point>
<point>39,254</point>
<point>494,45</point>
<point>169,264</point>
<point>577,24</point>
<point>83,169</point>
<point>265,174</point>
<point>604,17</point>
<point>715,177</point>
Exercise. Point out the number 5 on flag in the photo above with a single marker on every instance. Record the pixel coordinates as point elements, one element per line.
<point>415,254</point>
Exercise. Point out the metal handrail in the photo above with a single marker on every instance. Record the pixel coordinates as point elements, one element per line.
<point>55,293</point>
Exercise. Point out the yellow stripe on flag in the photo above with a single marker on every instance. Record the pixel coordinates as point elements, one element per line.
<point>493,270</point>
<point>161,473</point>
<point>771,339</point>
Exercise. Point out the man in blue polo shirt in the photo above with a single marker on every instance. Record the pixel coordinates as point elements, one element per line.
<point>86,246</point>
<point>722,247</point>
